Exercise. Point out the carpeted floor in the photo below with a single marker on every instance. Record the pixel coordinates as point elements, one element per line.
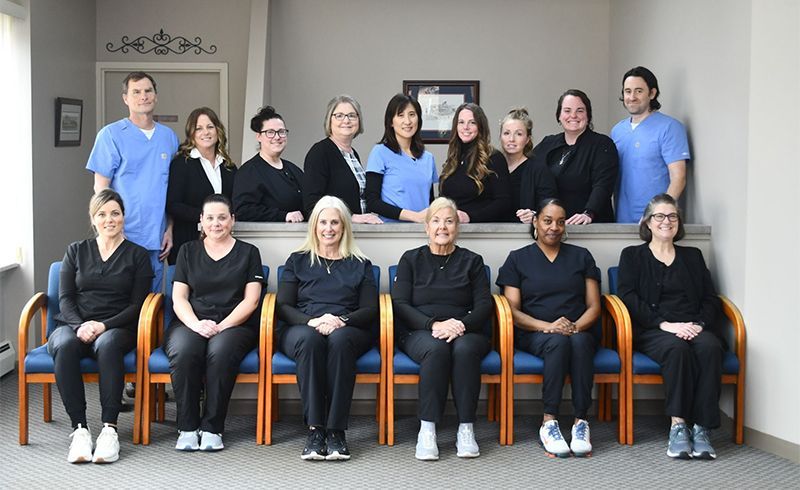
<point>42,463</point>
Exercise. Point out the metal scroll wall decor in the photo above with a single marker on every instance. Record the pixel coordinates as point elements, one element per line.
<point>162,44</point>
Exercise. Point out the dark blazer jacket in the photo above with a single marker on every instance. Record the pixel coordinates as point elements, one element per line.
<point>326,173</point>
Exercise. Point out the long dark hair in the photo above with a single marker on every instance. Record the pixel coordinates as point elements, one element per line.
<point>398,104</point>
<point>477,160</point>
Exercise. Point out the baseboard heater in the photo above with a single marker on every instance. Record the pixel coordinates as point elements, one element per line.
<point>6,357</point>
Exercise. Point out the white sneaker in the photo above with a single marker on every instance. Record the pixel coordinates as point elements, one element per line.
<point>552,440</point>
<point>211,442</point>
<point>581,443</point>
<point>466,445</point>
<point>427,449</point>
<point>80,449</point>
<point>107,448</point>
<point>187,441</point>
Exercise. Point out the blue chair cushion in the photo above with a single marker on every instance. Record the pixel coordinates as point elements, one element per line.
<point>606,361</point>
<point>368,363</point>
<point>159,362</point>
<point>403,364</point>
<point>40,361</point>
<point>642,364</point>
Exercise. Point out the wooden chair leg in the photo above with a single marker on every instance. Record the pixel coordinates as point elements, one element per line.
<point>23,410</point>
<point>161,389</point>
<point>260,417</point>
<point>137,414</point>
<point>276,414</point>
<point>390,411</point>
<point>629,414</point>
<point>510,415</point>
<point>148,410</point>
<point>47,401</point>
<point>738,413</point>
<point>491,413</point>
<point>269,405</point>
<point>381,402</point>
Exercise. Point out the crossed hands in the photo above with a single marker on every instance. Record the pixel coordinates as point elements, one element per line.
<point>563,326</point>
<point>206,328</point>
<point>683,330</point>
<point>89,331</point>
<point>326,323</point>
<point>448,330</point>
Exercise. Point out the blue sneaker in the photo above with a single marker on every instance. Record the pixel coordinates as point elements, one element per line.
<point>680,442</point>
<point>701,443</point>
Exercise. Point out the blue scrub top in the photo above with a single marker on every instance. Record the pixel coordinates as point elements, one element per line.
<point>406,181</point>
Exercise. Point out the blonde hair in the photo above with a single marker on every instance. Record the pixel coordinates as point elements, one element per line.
<point>441,203</point>
<point>519,114</point>
<point>343,99</point>
<point>347,246</point>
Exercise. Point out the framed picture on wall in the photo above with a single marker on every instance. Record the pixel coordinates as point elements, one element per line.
<point>69,121</point>
<point>439,100</point>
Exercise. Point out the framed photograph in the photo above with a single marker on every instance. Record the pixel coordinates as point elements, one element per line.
<point>439,100</point>
<point>69,121</point>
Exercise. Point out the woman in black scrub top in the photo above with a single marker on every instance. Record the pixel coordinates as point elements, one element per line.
<point>215,295</point>
<point>554,292</point>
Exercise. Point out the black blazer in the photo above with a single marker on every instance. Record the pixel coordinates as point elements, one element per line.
<point>263,193</point>
<point>326,173</point>
<point>640,279</point>
<point>589,175</point>
<point>188,187</point>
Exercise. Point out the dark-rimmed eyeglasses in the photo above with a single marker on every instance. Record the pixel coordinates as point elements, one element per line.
<point>271,133</point>
<point>340,116</point>
<point>659,217</point>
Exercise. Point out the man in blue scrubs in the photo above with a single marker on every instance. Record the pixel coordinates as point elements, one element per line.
<point>132,156</point>
<point>652,147</point>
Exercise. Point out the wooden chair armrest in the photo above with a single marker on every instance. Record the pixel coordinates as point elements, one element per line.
<point>505,324</point>
<point>141,331</point>
<point>268,323</point>
<point>387,331</point>
<point>38,302</point>
<point>623,325</point>
<point>737,323</point>
<point>153,325</point>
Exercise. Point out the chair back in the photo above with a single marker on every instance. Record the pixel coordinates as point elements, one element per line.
<point>613,273</point>
<point>487,329</point>
<point>53,308</point>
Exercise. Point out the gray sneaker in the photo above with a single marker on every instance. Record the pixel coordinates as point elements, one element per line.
<point>701,443</point>
<point>427,449</point>
<point>680,442</point>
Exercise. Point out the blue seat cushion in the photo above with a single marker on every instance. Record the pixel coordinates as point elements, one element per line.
<point>644,365</point>
<point>159,362</point>
<point>606,361</point>
<point>403,364</point>
<point>40,361</point>
<point>368,363</point>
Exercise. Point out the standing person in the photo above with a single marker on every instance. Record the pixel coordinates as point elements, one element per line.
<point>474,175</point>
<point>132,157</point>
<point>333,167</point>
<point>553,289</point>
<point>215,294</point>
<point>400,173</point>
<point>327,302</point>
<point>202,167</point>
<point>653,147</point>
<point>516,144</point>
<point>583,163</point>
<point>269,188</point>
<point>103,284</point>
<point>676,314</point>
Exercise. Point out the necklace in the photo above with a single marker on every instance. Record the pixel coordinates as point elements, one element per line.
<point>328,265</point>
<point>564,155</point>
<point>441,267</point>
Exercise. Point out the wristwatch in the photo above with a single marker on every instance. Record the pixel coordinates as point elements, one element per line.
<point>344,318</point>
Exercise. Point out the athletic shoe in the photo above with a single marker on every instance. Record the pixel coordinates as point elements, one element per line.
<point>680,443</point>
<point>581,444</point>
<point>427,449</point>
<point>80,449</point>
<point>701,443</point>
<point>337,446</point>
<point>107,448</point>
<point>187,441</point>
<point>466,445</point>
<point>314,449</point>
<point>211,442</point>
<point>552,440</point>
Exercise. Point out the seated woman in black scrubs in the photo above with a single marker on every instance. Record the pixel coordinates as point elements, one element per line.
<point>268,187</point>
<point>676,311</point>
<point>442,302</point>
<point>202,167</point>
<point>474,175</point>
<point>215,295</point>
<point>327,303</point>
<point>554,292</point>
<point>103,284</point>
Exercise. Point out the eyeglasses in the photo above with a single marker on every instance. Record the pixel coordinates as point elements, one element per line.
<point>659,217</point>
<point>271,133</point>
<point>340,116</point>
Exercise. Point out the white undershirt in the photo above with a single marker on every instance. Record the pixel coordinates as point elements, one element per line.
<point>212,171</point>
<point>149,132</point>
<point>634,124</point>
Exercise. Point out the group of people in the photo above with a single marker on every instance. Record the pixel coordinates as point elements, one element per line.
<point>327,298</point>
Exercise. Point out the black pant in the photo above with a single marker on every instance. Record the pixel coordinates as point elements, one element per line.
<point>563,355</point>
<point>109,349</point>
<point>441,364</point>
<point>326,370</point>
<point>692,372</point>
<point>193,357</point>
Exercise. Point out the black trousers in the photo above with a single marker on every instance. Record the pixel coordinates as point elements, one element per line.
<point>109,349</point>
<point>326,370</point>
<point>457,363</point>
<point>563,355</point>
<point>692,372</point>
<point>193,357</point>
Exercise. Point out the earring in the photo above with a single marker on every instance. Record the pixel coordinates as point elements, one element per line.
<point>535,235</point>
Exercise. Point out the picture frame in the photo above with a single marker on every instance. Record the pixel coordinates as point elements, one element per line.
<point>439,100</point>
<point>69,121</point>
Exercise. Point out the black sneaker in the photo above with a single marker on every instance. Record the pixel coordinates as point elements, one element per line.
<point>337,446</point>
<point>315,445</point>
